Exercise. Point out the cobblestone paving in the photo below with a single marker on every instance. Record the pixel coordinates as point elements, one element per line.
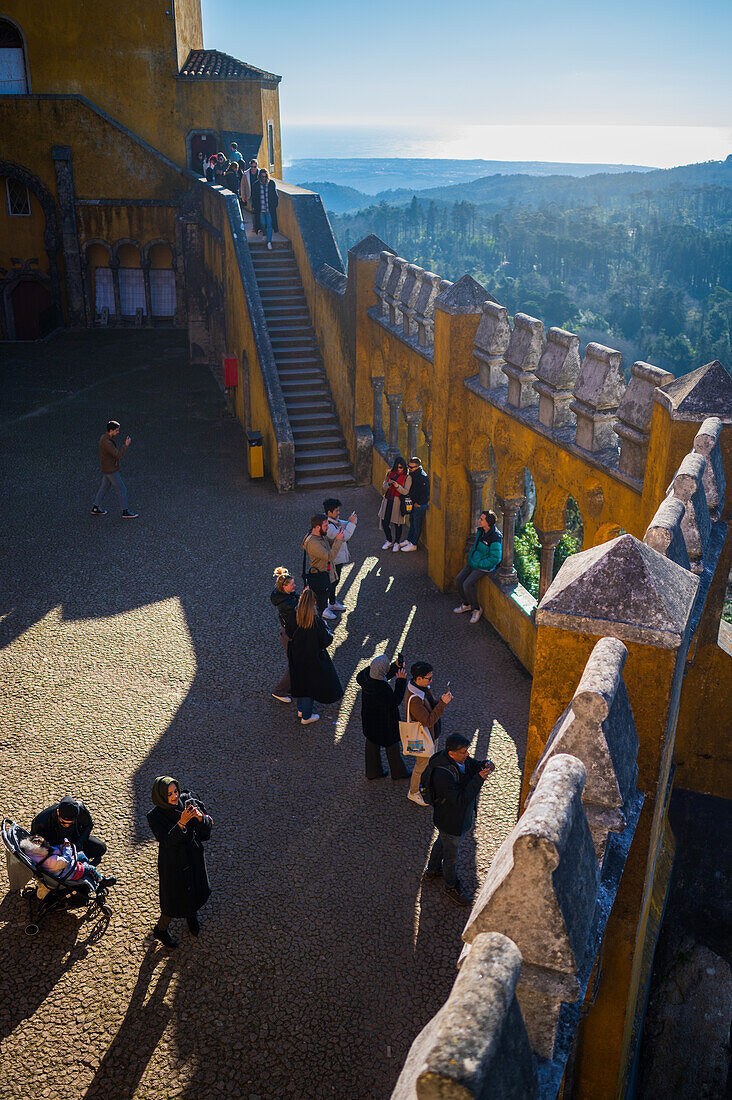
<point>134,648</point>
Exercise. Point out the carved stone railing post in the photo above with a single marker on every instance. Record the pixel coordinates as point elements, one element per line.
<point>633,425</point>
<point>707,444</point>
<point>597,395</point>
<point>477,479</point>
<point>664,532</point>
<point>556,375</point>
<point>522,358</point>
<point>510,506</point>
<point>377,384</point>
<point>548,541</point>
<point>598,728</point>
<point>424,307</point>
<point>397,275</point>
<point>412,418</point>
<point>394,401</point>
<point>688,487</point>
<point>410,289</point>
<point>383,271</point>
<point>491,341</point>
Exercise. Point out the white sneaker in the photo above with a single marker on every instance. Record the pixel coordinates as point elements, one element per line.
<point>308,721</point>
<point>281,698</point>
<point>336,606</point>
<point>386,546</point>
<point>396,547</point>
<point>417,798</point>
<point>269,245</point>
<point>463,607</point>
<point>407,547</point>
<point>328,614</point>
<point>403,543</point>
<point>476,615</point>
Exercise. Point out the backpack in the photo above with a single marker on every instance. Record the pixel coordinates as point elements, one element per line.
<point>425,780</point>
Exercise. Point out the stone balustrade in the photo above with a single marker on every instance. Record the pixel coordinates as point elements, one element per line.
<point>406,296</point>
<point>707,444</point>
<point>491,342</point>
<point>664,532</point>
<point>598,392</point>
<point>556,375</point>
<point>633,424</point>
<point>424,310</point>
<point>476,1045</point>
<point>522,358</point>
<point>541,891</point>
<point>688,487</point>
<point>598,728</point>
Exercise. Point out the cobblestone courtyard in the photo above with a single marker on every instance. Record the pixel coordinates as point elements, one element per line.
<point>137,648</point>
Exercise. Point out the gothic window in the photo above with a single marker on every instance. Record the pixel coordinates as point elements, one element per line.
<point>18,198</point>
<point>12,61</point>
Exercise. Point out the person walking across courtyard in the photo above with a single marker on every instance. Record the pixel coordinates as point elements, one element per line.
<point>428,711</point>
<point>485,554</point>
<point>312,673</point>
<point>420,493</point>
<point>380,716</point>
<point>181,826</point>
<point>109,459</point>
<point>332,509</point>
<point>321,555</point>
<point>397,484</point>
<point>284,597</point>
<point>452,783</point>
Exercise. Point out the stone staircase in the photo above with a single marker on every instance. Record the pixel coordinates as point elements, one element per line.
<point>321,456</point>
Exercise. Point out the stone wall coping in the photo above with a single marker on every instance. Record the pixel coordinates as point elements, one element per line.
<point>332,280</point>
<point>707,444</point>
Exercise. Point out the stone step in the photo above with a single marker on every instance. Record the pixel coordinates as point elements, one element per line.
<point>322,481</point>
<point>315,432</point>
<point>293,372</point>
<point>324,440</point>
<point>293,349</point>
<point>320,418</point>
<point>293,314</point>
<point>322,453</point>
<point>323,467</point>
<point>281,326</point>
<point>301,387</point>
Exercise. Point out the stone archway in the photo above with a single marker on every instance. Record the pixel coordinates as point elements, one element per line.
<point>51,239</point>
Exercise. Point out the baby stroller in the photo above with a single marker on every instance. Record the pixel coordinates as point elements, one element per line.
<point>59,893</point>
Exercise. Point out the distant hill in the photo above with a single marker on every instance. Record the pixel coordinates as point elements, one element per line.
<point>375,175</point>
<point>340,200</point>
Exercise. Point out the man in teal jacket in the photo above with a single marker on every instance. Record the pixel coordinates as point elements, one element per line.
<point>484,556</point>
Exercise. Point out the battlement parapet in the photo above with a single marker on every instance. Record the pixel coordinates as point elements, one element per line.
<point>556,375</point>
<point>522,358</point>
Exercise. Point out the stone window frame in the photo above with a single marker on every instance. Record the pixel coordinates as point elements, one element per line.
<point>24,46</point>
<point>13,202</point>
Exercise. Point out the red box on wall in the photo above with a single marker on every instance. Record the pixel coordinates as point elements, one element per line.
<point>231,370</point>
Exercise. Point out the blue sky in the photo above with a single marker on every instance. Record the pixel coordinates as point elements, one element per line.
<point>433,68</point>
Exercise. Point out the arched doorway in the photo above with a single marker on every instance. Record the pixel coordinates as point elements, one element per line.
<point>205,142</point>
<point>32,309</point>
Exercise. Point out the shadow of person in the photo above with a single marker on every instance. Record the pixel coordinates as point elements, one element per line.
<point>121,1069</point>
<point>27,986</point>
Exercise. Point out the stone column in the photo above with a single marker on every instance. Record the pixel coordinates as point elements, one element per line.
<point>548,541</point>
<point>61,155</point>
<point>477,479</point>
<point>377,385</point>
<point>507,575</point>
<point>114,264</point>
<point>412,419</point>
<point>148,296</point>
<point>428,440</point>
<point>394,401</point>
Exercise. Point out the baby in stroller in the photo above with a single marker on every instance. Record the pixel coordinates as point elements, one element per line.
<point>59,861</point>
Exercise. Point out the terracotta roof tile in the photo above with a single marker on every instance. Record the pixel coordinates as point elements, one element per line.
<point>214,65</point>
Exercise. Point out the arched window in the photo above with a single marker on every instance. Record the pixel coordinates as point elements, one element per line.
<point>162,281</point>
<point>13,79</point>
<point>131,281</point>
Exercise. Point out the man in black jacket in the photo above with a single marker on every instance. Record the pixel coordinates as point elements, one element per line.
<point>455,780</point>
<point>420,495</point>
<point>380,716</point>
<point>70,820</point>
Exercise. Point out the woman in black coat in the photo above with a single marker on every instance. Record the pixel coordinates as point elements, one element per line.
<point>285,600</point>
<point>380,716</point>
<point>265,221</point>
<point>312,673</point>
<point>180,825</point>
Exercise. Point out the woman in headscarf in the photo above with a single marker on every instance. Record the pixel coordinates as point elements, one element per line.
<point>380,716</point>
<point>180,825</point>
<point>312,673</point>
<point>397,484</point>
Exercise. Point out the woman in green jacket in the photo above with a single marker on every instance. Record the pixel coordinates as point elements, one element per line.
<point>484,556</point>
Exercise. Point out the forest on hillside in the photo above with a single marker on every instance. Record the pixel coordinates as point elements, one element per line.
<point>649,272</point>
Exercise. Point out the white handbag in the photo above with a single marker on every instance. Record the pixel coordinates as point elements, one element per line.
<point>416,740</point>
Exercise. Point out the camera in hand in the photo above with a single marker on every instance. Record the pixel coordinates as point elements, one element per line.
<point>400,660</point>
